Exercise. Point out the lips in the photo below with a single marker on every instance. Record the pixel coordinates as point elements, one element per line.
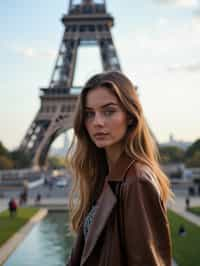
<point>100,135</point>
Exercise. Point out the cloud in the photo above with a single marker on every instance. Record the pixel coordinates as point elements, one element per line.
<point>187,3</point>
<point>28,52</point>
<point>196,22</point>
<point>182,3</point>
<point>196,13</point>
<point>192,67</point>
<point>163,21</point>
<point>34,53</point>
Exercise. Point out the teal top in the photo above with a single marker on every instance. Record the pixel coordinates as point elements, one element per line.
<point>88,220</point>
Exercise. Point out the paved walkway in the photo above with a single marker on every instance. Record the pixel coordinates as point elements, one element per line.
<point>3,204</point>
<point>179,208</point>
<point>54,202</point>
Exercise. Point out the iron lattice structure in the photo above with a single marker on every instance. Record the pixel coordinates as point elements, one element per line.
<point>85,23</point>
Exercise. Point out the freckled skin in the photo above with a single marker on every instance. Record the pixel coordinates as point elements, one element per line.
<point>105,115</point>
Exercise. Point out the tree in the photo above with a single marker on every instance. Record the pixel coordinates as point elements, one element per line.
<point>192,149</point>
<point>21,159</point>
<point>171,154</point>
<point>5,163</point>
<point>3,150</point>
<point>194,160</point>
<point>56,162</point>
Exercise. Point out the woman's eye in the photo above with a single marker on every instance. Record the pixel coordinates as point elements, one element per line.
<point>108,112</point>
<point>89,114</point>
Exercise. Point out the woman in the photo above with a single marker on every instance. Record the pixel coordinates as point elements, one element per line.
<point>119,215</point>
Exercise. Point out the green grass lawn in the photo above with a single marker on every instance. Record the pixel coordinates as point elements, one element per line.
<point>185,249</point>
<point>10,225</point>
<point>195,210</point>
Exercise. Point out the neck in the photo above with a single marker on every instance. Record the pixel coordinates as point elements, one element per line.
<point>112,155</point>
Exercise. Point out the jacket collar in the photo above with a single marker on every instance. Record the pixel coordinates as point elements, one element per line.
<point>119,170</point>
<point>106,203</point>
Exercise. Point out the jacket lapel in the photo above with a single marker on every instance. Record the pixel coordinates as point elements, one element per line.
<point>106,203</point>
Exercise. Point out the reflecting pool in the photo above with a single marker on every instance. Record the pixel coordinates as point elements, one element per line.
<point>49,243</point>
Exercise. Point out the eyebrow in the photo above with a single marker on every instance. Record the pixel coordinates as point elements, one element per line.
<point>103,106</point>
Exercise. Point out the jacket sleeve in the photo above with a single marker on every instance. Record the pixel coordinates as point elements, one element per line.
<point>145,225</point>
<point>76,252</point>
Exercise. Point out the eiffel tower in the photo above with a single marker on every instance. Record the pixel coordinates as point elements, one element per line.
<point>85,23</point>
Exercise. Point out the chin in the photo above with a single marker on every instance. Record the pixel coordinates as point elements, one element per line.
<point>101,145</point>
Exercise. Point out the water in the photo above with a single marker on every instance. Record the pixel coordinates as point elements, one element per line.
<point>49,243</point>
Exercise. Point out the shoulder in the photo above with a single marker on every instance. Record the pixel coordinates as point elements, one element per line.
<point>142,175</point>
<point>140,189</point>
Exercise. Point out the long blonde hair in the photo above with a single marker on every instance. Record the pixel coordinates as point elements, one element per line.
<point>88,162</point>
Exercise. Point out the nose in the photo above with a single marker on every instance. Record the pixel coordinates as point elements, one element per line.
<point>98,120</point>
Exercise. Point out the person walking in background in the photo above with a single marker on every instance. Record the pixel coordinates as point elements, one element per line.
<point>38,198</point>
<point>12,207</point>
<point>181,230</point>
<point>23,196</point>
<point>187,203</point>
<point>119,193</point>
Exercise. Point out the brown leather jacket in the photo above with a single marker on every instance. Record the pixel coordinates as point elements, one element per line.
<point>142,236</point>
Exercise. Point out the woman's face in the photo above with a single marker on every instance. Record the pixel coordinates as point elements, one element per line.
<point>105,119</point>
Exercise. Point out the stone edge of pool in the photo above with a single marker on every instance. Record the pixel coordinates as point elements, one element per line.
<point>7,249</point>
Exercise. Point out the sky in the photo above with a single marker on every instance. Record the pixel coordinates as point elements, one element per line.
<point>158,44</point>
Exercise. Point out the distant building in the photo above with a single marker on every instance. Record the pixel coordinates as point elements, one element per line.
<point>180,171</point>
<point>174,170</point>
<point>192,173</point>
<point>61,151</point>
<point>177,143</point>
